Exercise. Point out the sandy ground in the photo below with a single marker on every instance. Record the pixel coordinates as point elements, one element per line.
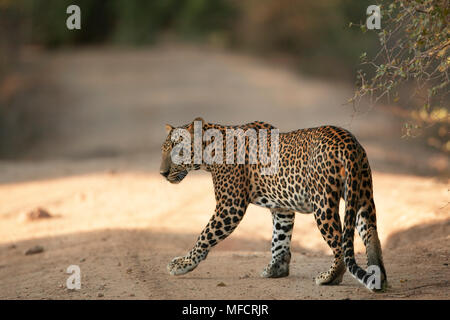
<point>96,171</point>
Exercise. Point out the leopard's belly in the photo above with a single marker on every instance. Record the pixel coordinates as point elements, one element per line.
<point>301,205</point>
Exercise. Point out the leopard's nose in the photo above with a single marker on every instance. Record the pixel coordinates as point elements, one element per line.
<point>164,173</point>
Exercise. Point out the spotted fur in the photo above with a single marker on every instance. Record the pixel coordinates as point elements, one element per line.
<point>317,167</point>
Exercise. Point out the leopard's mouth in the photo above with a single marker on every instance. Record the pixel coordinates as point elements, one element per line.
<point>177,176</point>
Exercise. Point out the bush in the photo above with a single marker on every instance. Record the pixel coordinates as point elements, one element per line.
<point>413,57</point>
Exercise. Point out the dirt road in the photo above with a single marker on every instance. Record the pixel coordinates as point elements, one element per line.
<point>96,171</point>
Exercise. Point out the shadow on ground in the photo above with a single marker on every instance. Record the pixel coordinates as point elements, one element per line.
<point>121,264</point>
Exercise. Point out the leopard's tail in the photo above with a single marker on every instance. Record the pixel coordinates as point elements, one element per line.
<point>353,171</point>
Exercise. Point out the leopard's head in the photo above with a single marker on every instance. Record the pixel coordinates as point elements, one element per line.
<point>176,163</point>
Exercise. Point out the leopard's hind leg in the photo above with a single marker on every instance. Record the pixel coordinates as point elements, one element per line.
<point>329,224</point>
<point>283,223</point>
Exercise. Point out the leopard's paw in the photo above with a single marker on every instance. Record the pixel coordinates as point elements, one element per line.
<point>329,278</point>
<point>333,276</point>
<point>276,270</point>
<point>181,265</point>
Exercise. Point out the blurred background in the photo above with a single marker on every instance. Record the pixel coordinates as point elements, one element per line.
<point>82,115</point>
<point>136,64</point>
<point>109,87</point>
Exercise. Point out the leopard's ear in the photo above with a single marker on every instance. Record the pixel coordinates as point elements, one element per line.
<point>168,128</point>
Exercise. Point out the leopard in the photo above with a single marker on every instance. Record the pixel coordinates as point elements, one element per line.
<point>317,167</point>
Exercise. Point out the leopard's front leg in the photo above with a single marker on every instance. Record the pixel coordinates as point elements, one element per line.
<point>229,212</point>
<point>184,264</point>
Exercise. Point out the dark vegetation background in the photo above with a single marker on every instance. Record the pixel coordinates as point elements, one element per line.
<point>304,29</point>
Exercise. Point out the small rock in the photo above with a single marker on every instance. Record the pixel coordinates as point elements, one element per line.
<point>83,260</point>
<point>221,284</point>
<point>129,270</point>
<point>119,264</point>
<point>446,264</point>
<point>13,246</point>
<point>131,294</point>
<point>37,214</point>
<point>100,295</point>
<point>245,276</point>
<point>34,250</point>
